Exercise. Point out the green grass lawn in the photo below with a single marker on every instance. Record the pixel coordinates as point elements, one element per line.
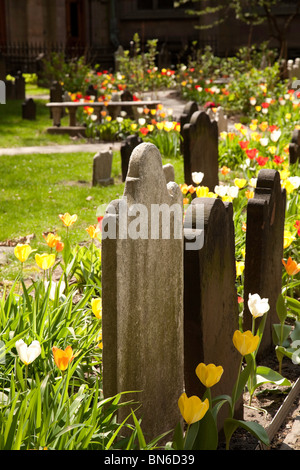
<point>37,188</point>
<point>16,132</point>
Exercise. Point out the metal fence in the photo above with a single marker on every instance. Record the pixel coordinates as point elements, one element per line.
<point>27,57</point>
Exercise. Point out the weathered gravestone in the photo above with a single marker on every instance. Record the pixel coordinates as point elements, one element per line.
<point>102,163</point>
<point>169,172</point>
<point>264,249</point>
<point>219,116</point>
<point>10,90</point>
<point>200,149</point>
<point>142,295</point>
<point>211,313</point>
<point>2,92</point>
<point>29,109</point>
<point>126,149</point>
<point>189,109</point>
<point>294,147</point>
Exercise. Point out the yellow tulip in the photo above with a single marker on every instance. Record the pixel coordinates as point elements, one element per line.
<point>192,409</point>
<point>245,343</point>
<point>240,266</point>
<point>68,219</point>
<point>240,182</point>
<point>45,261</point>
<point>249,194</point>
<point>97,307</point>
<point>289,187</point>
<point>202,191</point>
<point>51,239</point>
<point>22,252</point>
<point>288,238</point>
<point>209,375</point>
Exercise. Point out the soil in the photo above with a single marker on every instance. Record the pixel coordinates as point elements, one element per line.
<point>266,402</point>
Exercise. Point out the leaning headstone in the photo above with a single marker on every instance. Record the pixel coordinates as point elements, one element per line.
<point>211,313</point>
<point>29,110</point>
<point>200,149</point>
<point>126,149</point>
<point>142,295</point>
<point>102,164</point>
<point>20,86</point>
<point>264,249</point>
<point>169,172</point>
<point>294,147</point>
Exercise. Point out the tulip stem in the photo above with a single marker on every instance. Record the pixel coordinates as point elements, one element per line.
<point>235,388</point>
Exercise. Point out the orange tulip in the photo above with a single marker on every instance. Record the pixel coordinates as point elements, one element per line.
<point>62,358</point>
<point>51,239</point>
<point>291,267</point>
<point>93,231</point>
<point>68,219</point>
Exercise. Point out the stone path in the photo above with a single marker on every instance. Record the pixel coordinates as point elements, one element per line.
<point>71,148</point>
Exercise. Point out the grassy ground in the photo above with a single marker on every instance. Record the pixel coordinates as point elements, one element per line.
<point>16,132</point>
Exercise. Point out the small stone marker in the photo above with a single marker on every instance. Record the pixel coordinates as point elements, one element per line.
<point>126,149</point>
<point>169,172</point>
<point>294,147</point>
<point>56,96</point>
<point>200,149</point>
<point>142,294</point>
<point>264,249</point>
<point>210,297</point>
<point>29,109</point>
<point>102,164</point>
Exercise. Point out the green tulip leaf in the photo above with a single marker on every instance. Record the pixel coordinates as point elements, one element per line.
<point>293,305</point>
<point>191,436</point>
<point>178,440</point>
<point>207,436</point>
<point>230,426</point>
<point>295,334</point>
<point>281,308</point>
<point>266,375</point>
<point>280,334</point>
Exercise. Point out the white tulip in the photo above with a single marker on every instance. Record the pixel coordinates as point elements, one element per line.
<point>264,141</point>
<point>197,177</point>
<point>28,354</point>
<point>257,306</point>
<point>275,135</point>
<point>233,191</point>
<point>221,190</point>
<point>295,180</point>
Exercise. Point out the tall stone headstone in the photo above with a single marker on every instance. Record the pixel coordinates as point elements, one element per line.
<point>294,147</point>
<point>189,109</point>
<point>126,149</point>
<point>102,163</point>
<point>142,295</point>
<point>264,249</point>
<point>169,172</point>
<point>200,149</point>
<point>211,313</point>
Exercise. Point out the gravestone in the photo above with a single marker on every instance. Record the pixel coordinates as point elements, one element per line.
<point>189,109</point>
<point>169,172</point>
<point>142,296</point>
<point>294,147</point>
<point>114,111</point>
<point>200,149</point>
<point>126,149</point>
<point>20,87</point>
<point>2,92</point>
<point>126,95</point>
<point>219,116</point>
<point>29,110</point>
<point>102,163</point>
<point>264,249</point>
<point>10,90</point>
<point>293,68</point>
<point>56,96</point>
<point>211,313</point>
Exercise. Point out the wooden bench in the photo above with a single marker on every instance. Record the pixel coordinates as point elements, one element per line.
<point>112,107</point>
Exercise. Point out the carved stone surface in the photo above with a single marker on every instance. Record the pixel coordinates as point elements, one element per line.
<point>294,147</point>
<point>264,249</point>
